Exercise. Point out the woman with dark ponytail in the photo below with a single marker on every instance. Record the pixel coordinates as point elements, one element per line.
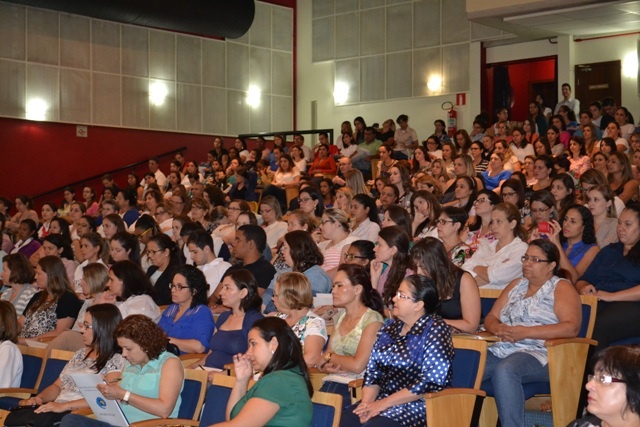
<point>165,260</point>
<point>355,330</point>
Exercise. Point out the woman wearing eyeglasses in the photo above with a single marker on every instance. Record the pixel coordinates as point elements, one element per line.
<point>613,389</point>
<point>163,253</point>
<point>188,321</point>
<point>531,309</point>
<point>360,253</point>
<point>451,227</point>
<point>543,210</point>
<point>412,355</point>
<point>481,229</point>
<point>145,228</point>
<point>98,355</point>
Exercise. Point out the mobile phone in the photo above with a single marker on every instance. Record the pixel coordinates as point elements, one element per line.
<point>543,227</point>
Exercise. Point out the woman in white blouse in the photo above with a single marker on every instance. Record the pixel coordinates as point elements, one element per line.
<point>272,221</point>
<point>364,217</point>
<point>496,263</point>
<point>287,176</point>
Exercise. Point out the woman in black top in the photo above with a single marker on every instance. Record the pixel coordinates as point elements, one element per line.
<point>459,296</point>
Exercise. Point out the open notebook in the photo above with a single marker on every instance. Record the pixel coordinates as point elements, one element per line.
<point>104,409</point>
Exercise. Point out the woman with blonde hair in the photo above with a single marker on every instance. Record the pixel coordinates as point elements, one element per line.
<point>200,210</point>
<point>293,300</point>
<point>601,203</point>
<point>355,182</point>
<point>344,195</point>
<point>272,221</point>
<point>93,285</point>
<point>336,229</point>
<point>430,184</point>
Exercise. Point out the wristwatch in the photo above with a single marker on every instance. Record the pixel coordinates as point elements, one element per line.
<point>125,399</point>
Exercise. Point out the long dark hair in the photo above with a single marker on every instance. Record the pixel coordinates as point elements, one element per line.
<point>105,319</point>
<point>134,280</point>
<point>289,352</point>
<point>568,183</point>
<point>430,255</point>
<point>60,242</point>
<point>358,275</point>
<point>368,202</point>
<point>129,242</point>
<point>243,279</point>
<point>396,237</point>
<point>57,283</point>
<point>164,242</point>
<point>304,251</point>
<point>197,284</point>
<point>588,230</point>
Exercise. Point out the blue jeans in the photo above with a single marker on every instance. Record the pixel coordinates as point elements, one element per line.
<point>73,420</point>
<point>400,155</point>
<point>507,376</point>
<point>338,388</point>
<point>349,419</point>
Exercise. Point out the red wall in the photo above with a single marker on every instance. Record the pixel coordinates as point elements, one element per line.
<point>40,156</point>
<point>520,75</point>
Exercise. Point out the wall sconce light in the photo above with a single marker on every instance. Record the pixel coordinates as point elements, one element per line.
<point>157,93</point>
<point>37,109</point>
<point>434,84</point>
<point>340,93</point>
<point>253,96</point>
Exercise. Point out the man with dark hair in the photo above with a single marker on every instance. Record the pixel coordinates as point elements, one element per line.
<point>249,244</point>
<point>154,167</point>
<point>298,140</point>
<point>127,201</point>
<point>366,151</point>
<point>406,139</point>
<point>570,102</point>
<point>440,130</point>
<point>609,108</point>
<point>275,160</point>
<point>261,144</point>
<point>200,244</point>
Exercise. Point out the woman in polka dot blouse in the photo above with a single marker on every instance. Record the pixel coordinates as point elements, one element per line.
<point>411,356</point>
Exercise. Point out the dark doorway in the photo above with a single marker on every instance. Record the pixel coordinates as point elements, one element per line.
<point>597,81</point>
<point>521,81</point>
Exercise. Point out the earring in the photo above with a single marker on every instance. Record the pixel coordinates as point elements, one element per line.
<point>273,352</point>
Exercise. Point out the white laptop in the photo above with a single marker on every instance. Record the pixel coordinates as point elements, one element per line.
<point>104,409</point>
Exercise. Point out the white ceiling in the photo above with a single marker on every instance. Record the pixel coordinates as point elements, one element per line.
<point>598,18</point>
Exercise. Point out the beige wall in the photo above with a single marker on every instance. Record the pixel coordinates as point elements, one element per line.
<point>315,81</point>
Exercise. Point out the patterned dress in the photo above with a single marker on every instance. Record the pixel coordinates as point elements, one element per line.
<point>419,361</point>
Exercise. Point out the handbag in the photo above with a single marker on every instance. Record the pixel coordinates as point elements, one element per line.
<point>26,417</point>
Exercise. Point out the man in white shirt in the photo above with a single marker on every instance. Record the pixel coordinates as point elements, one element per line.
<point>200,246</point>
<point>154,167</point>
<point>344,166</point>
<point>572,103</point>
<point>298,140</point>
<point>406,139</point>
